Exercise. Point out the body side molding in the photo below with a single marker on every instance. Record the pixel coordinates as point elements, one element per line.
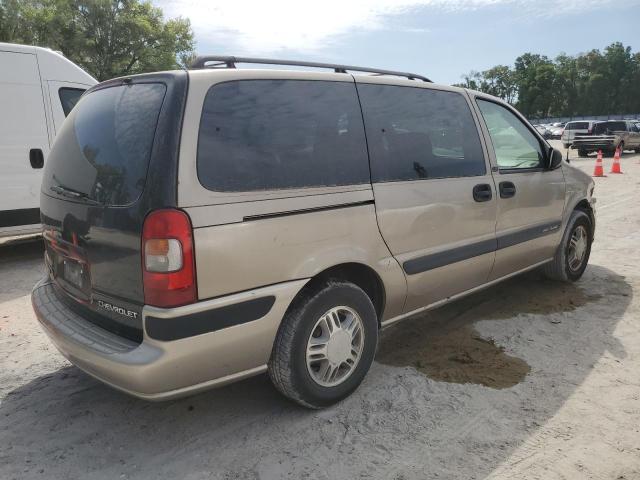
<point>458,254</point>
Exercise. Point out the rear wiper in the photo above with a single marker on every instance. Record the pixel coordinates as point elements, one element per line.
<point>71,193</point>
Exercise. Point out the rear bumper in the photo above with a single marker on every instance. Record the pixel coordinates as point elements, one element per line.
<point>592,143</point>
<point>159,370</point>
<point>594,147</point>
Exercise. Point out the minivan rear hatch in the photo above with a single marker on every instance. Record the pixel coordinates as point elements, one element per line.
<point>113,161</point>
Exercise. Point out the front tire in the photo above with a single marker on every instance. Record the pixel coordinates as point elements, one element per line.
<point>572,255</point>
<point>325,345</point>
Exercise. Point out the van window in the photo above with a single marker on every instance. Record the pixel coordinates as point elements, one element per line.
<point>515,146</point>
<point>68,98</point>
<point>611,126</point>
<point>102,151</point>
<point>278,134</point>
<point>577,126</point>
<point>416,133</point>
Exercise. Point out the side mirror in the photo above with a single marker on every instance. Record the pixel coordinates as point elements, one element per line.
<point>555,158</point>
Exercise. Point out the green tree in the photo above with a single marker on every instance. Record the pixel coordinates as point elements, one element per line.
<point>592,83</point>
<point>500,81</point>
<point>565,87</point>
<point>633,86</point>
<point>108,38</point>
<point>535,75</point>
<point>620,68</point>
<point>472,80</point>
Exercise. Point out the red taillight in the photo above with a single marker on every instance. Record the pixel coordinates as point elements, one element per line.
<point>169,272</point>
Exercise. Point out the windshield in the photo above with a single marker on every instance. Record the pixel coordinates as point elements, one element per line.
<point>102,152</point>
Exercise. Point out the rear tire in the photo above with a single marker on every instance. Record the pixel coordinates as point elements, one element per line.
<point>583,153</point>
<point>572,255</point>
<point>324,316</point>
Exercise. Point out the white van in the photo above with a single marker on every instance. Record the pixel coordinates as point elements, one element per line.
<point>38,88</point>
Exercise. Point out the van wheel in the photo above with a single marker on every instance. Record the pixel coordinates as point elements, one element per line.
<point>583,153</point>
<point>566,145</point>
<point>325,345</point>
<point>572,255</point>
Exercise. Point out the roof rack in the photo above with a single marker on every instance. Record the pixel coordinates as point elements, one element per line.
<point>217,61</point>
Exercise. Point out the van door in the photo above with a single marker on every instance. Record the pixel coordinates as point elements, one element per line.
<point>63,97</point>
<point>24,142</point>
<point>434,194</point>
<point>530,197</point>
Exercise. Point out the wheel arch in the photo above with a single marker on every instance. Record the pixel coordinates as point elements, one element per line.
<point>584,206</point>
<point>359,274</point>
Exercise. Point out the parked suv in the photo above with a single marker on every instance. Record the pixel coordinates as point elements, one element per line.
<point>208,225</point>
<point>608,136</point>
<point>571,129</point>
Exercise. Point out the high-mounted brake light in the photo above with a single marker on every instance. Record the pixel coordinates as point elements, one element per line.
<point>169,274</point>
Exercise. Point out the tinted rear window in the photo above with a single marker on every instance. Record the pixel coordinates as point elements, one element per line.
<point>416,133</point>
<point>605,127</point>
<point>103,148</point>
<point>577,126</point>
<point>277,134</point>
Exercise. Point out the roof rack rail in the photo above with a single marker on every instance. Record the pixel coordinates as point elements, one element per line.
<point>218,61</point>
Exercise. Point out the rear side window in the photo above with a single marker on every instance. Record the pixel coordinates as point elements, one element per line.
<point>616,126</point>
<point>415,133</point>
<point>609,127</point>
<point>278,134</point>
<point>577,126</point>
<point>102,151</point>
<point>68,98</point>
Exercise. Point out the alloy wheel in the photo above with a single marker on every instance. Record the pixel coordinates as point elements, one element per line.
<point>577,250</point>
<point>335,346</point>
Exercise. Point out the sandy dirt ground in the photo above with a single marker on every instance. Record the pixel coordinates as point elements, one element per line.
<point>529,379</point>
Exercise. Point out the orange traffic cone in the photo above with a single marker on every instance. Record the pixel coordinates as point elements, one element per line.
<point>615,168</point>
<point>598,171</point>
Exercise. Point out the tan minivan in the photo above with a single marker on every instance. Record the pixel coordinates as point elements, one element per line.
<point>207,225</point>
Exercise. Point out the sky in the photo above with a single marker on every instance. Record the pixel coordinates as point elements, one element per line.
<point>440,39</point>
